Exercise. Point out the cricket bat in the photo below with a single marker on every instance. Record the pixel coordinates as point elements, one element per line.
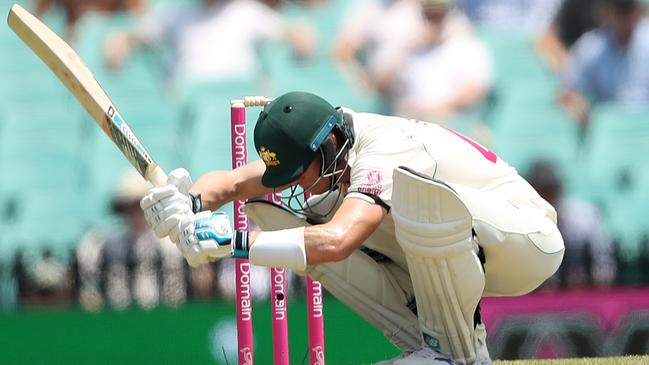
<point>70,69</point>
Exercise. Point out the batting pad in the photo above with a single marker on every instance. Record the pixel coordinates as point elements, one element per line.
<point>378,291</point>
<point>434,228</point>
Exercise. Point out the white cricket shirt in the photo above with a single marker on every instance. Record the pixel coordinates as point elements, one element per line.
<point>384,143</point>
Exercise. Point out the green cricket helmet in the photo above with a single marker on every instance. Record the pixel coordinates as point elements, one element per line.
<point>291,131</point>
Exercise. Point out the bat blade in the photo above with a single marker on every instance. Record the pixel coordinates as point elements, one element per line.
<point>70,69</point>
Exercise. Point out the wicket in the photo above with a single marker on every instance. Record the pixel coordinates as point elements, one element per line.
<point>278,275</point>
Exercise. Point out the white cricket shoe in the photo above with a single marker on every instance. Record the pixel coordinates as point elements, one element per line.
<point>428,356</point>
<point>482,353</point>
<point>425,356</point>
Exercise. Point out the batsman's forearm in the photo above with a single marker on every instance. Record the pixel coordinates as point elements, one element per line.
<point>322,243</point>
<point>221,187</point>
<point>216,189</point>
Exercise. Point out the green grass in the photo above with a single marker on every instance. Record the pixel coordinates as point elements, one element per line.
<point>626,360</point>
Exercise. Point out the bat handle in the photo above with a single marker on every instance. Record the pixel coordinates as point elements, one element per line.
<point>156,176</point>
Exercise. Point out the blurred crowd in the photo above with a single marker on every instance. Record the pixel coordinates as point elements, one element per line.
<point>126,266</point>
<point>424,57</point>
<point>435,60</point>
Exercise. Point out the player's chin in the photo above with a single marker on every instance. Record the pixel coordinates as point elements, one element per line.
<point>320,188</point>
<point>324,188</point>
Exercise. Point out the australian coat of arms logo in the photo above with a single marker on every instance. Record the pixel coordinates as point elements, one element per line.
<point>269,158</point>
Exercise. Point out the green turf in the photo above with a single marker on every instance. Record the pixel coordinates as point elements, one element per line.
<point>195,333</point>
<point>626,360</point>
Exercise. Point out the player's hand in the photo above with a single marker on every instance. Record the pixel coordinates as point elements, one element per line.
<point>203,237</point>
<point>116,50</point>
<point>303,38</point>
<point>166,206</point>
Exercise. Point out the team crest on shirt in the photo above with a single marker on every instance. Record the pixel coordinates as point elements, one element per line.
<point>269,158</point>
<point>373,183</point>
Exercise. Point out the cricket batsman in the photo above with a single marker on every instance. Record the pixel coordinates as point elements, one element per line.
<point>409,223</point>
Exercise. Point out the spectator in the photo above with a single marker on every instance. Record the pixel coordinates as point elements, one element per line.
<point>8,288</point>
<point>19,272</point>
<point>124,266</point>
<point>574,18</point>
<point>447,72</point>
<point>50,275</point>
<point>528,16</point>
<point>43,278</point>
<point>609,64</point>
<point>218,40</point>
<point>89,258</point>
<point>589,259</point>
<point>203,282</point>
<point>375,38</point>
<point>75,9</point>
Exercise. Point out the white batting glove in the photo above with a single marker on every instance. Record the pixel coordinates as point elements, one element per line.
<point>166,206</point>
<point>203,237</point>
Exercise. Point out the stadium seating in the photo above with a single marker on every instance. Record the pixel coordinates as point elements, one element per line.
<point>514,56</point>
<point>318,74</point>
<point>142,71</point>
<point>525,133</point>
<point>53,219</point>
<point>24,77</point>
<point>520,76</point>
<point>522,109</point>
<point>40,154</point>
<point>39,147</point>
<point>322,78</point>
<point>204,126</point>
<point>615,145</point>
<point>626,216</point>
<point>613,172</point>
<point>163,5</point>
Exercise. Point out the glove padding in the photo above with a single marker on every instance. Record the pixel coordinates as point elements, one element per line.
<point>166,206</point>
<point>203,237</point>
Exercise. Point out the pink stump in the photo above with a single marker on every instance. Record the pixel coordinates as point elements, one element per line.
<point>242,266</point>
<point>316,317</point>
<point>278,305</point>
<point>316,322</point>
<point>280,316</point>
